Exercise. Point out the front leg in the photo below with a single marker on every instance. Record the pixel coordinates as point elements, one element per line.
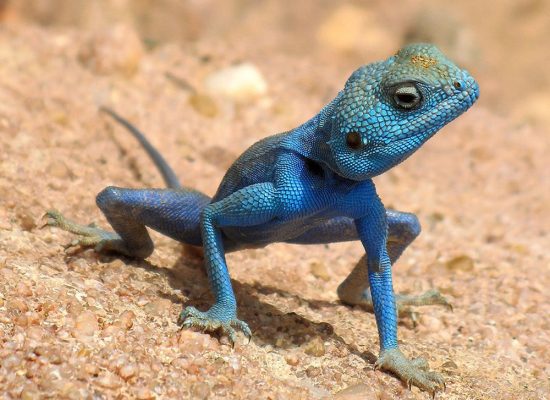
<point>250,206</point>
<point>372,230</point>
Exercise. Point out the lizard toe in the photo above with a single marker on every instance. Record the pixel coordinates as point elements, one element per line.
<point>210,321</point>
<point>88,235</point>
<point>413,372</point>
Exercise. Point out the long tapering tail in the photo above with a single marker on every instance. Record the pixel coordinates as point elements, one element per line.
<point>166,171</point>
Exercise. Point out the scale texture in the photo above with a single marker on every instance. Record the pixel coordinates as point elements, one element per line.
<point>310,185</point>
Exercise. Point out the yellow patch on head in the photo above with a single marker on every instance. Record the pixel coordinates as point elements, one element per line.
<point>423,61</point>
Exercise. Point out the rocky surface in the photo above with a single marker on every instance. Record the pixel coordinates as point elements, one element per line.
<point>81,325</point>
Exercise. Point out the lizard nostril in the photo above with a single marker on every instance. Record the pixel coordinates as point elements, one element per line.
<point>457,85</point>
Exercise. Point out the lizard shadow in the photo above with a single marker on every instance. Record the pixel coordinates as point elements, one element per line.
<point>269,325</point>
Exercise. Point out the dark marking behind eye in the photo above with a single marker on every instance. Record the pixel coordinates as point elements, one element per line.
<point>314,167</point>
<point>353,140</point>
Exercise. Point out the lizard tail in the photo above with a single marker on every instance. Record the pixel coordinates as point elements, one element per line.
<point>166,171</point>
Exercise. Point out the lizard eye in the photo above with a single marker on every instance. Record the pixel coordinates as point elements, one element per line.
<point>353,140</point>
<point>407,97</point>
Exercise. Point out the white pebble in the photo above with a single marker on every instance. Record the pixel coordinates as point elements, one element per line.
<point>240,82</point>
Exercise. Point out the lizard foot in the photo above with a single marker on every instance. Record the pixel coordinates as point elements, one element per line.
<point>90,235</point>
<point>404,302</point>
<point>213,320</point>
<point>412,372</point>
<point>430,298</point>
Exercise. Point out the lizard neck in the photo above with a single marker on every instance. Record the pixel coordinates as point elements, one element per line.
<point>310,139</point>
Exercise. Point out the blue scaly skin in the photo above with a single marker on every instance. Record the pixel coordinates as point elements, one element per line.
<point>310,185</point>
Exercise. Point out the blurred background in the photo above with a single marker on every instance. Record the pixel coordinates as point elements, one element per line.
<point>504,44</point>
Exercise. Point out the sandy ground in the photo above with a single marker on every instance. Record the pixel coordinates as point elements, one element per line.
<point>82,325</point>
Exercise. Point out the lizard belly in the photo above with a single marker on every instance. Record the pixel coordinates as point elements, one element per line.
<point>294,220</point>
<point>276,230</point>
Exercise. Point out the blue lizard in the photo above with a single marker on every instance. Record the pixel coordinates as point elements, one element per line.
<point>310,185</point>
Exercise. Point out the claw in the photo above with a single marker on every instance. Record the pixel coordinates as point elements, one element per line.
<point>186,324</point>
<point>72,243</point>
<point>46,223</point>
<point>408,312</point>
<point>232,336</point>
<point>43,226</point>
<point>243,326</point>
<point>210,321</point>
<point>412,372</point>
<point>89,235</point>
<point>414,319</point>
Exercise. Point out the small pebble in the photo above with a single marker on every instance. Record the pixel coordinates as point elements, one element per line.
<point>234,363</point>
<point>126,319</point>
<point>127,371</point>
<point>460,263</point>
<point>30,394</point>
<point>35,332</point>
<point>91,369</point>
<point>158,307</point>
<point>203,104</point>
<point>430,323</point>
<point>359,391</point>
<point>220,157</point>
<point>18,305</point>
<point>241,83</point>
<point>200,391</point>
<point>111,330</point>
<point>109,380</point>
<point>74,307</point>
<point>315,347</point>
<point>58,169</point>
<point>12,362</point>
<point>142,301</point>
<point>312,371</point>
<point>23,289</point>
<point>449,365</point>
<point>143,393</point>
<point>319,270</point>
<point>26,220</point>
<point>292,359</point>
<point>21,320</point>
<point>86,324</point>
<point>116,49</point>
<point>118,362</point>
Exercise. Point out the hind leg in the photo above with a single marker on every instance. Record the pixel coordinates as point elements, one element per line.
<point>355,290</point>
<point>403,228</point>
<point>174,213</point>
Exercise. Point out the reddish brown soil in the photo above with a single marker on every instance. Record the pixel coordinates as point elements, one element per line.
<point>82,325</point>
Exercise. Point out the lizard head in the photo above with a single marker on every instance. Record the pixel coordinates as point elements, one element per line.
<point>388,109</point>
